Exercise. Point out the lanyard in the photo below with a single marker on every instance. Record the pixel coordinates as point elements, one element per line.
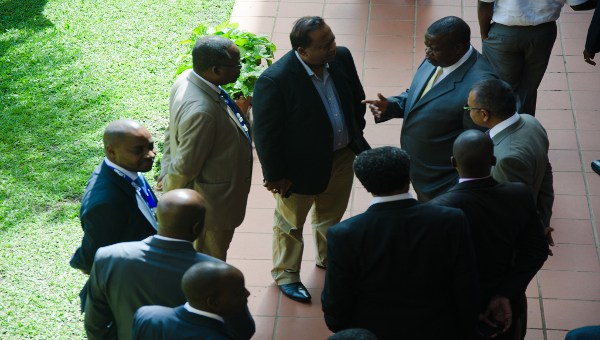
<point>232,106</point>
<point>141,187</point>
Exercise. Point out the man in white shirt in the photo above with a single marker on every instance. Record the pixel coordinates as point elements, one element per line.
<point>118,203</point>
<point>213,290</point>
<point>518,36</point>
<point>520,143</point>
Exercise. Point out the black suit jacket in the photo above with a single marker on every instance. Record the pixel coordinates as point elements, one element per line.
<point>126,276</point>
<point>292,131</point>
<point>403,270</point>
<point>507,234</point>
<point>163,323</point>
<point>109,214</point>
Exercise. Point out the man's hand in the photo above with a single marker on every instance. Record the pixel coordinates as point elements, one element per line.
<point>589,57</point>
<point>548,232</point>
<point>159,183</point>
<point>278,187</point>
<point>377,106</point>
<point>498,312</point>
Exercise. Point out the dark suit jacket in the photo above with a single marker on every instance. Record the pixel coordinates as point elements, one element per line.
<point>126,276</point>
<point>521,152</point>
<point>403,270</point>
<point>110,213</point>
<point>507,234</point>
<point>292,131</point>
<point>164,323</point>
<point>432,123</point>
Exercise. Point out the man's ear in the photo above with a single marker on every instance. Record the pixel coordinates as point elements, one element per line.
<point>197,228</point>
<point>453,161</point>
<point>109,151</point>
<point>301,51</point>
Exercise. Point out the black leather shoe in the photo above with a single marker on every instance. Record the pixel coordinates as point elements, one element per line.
<point>295,291</point>
<point>596,166</point>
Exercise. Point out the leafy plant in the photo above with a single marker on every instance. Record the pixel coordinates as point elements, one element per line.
<point>256,54</point>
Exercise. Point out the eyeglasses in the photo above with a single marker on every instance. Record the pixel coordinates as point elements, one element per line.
<point>468,108</point>
<point>238,66</point>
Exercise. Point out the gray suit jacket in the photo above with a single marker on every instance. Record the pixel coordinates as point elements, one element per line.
<point>126,276</point>
<point>432,123</point>
<point>206,150</point>
<point>521,152</point>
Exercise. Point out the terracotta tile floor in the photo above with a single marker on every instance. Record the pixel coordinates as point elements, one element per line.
<point>386,39</point>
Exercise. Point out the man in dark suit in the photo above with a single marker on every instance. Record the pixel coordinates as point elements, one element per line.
<point>126,276</point>
<point>213,290</point>
<point>507,234</point>
<point>118,203</point>
<point>520,143</point>
<point>432,108</point>
<point>402,269</point>
<point>308,126</point>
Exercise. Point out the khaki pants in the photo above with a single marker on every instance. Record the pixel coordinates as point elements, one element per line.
<point>326,209</point>
<point>214,243</point>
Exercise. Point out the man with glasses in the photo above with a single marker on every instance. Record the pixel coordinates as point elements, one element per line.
<point>432,109</point>
<point>207,144</point>
<point>520,143</point>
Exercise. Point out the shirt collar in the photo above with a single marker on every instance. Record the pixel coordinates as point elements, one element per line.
<point>447,70</point>
<point>131,174</point>
<point>203,313</point>
<point>461,180</point>
<point>308,69</point>
<point>170,239</point>
<point>211,85</point>
<point>382,199</point>
<point>504,124</point>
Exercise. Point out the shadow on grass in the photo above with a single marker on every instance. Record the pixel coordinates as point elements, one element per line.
<point>49,117</point>
<point>20,15</point>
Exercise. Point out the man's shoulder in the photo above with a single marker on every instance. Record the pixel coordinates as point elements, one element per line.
<point>480,68</point>
<point>121,251</point>
<point>280,68</point>
<point>154,311</point>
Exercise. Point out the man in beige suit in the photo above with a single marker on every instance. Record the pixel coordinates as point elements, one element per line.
<point>207,144</point>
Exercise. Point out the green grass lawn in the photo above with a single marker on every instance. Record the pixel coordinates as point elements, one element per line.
<point>67,68</point>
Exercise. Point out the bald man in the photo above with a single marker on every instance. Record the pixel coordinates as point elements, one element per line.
<point>118,204</point>
<point>507,234</point>
<point>213,291</point>
<point>129,275</point>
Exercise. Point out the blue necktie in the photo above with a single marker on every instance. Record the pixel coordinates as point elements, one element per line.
<point>233,108</point>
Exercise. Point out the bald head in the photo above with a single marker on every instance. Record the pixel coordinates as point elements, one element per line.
<point>473,154</point>
<point>215,287</point>
<point>129,145</point>
<point>180,214</point>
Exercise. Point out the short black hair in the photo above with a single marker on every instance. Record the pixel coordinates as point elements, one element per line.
<point>496,96</point>
<point>210,51</point>
<point>299,37</point>
<point>455,29</point>
<point>383,170</point>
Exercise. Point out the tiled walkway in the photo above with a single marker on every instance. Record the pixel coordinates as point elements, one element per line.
<point>386,39</point>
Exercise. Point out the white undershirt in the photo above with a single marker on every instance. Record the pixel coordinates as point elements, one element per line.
<point>203,313</point>
<point>504,124</point>
<point>447,70</point>
<point>382,199</point>
<point>131,174</point>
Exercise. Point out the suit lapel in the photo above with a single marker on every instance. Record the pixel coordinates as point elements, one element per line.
<point>424,72</point>
<point>130,190</point>
<point>445,85</point>
<point>219,101</point>
<point>301,77</point>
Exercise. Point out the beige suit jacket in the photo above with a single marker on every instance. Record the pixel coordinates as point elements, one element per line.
<point>206,150</point>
